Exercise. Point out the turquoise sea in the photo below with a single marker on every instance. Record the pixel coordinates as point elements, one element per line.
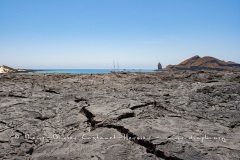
<point>88,71</point>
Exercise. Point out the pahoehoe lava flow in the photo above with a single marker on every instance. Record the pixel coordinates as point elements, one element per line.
<point>180,115</point>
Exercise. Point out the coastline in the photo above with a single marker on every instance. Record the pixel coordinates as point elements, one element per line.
<point>85,71</point>
<point>6,69</point>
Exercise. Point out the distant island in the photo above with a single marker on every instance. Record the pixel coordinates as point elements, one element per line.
<point>204,63</point>
<point>6,69</point>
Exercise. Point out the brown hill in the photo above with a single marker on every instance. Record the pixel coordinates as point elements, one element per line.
<point>204,63</point>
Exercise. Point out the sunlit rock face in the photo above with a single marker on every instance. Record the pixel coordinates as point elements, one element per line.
<point>204,63</point>
<point>6,69</point>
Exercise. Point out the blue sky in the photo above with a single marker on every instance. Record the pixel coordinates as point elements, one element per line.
<point>136,33</point>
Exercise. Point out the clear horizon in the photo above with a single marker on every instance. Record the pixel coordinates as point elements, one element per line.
<point>80,34</point>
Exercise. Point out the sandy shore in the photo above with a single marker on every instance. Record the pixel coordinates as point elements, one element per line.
<point>164,115</point>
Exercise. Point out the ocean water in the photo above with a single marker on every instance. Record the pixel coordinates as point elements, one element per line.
<point>87,71</point>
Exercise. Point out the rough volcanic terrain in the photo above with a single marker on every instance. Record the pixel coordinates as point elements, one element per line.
<point>180,115</point>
